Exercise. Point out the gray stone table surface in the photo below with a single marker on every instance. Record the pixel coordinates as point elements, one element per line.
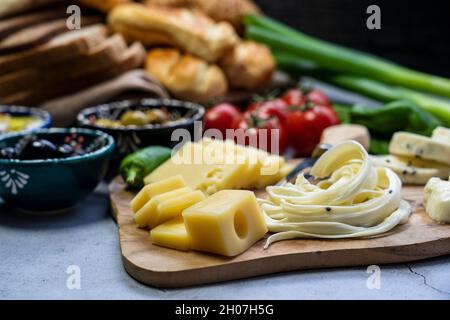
<point>36,251</point>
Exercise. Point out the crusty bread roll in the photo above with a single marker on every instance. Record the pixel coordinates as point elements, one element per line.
<point>147,38</point>
<point>170,3</point>
<point>187,29</point>
<point>185,76</point>
<point>103,5</point>
<point>232,11</point>
<point>249,65</point>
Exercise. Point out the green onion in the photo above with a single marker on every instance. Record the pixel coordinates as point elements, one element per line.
<point>371,88</point>
<point>281,38</point>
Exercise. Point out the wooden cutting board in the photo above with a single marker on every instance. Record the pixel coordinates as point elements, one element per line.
<point>418,239</point>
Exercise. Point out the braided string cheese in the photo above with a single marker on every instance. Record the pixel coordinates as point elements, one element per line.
<point>353,199</point>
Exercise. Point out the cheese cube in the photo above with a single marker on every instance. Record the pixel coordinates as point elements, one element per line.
<point>171,234</point>
<point>226,223</point>
<point>174,206</point>
<point>441,134</point>
<point>147,214</point>
<point>155,189</point>
<point>437,200</point>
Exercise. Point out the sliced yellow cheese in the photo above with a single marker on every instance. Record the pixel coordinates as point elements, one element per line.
<point>172,207</point>
<point>147,214</point>
<point>171,234</point>
<point>226,223</point>
<point>154,189</point>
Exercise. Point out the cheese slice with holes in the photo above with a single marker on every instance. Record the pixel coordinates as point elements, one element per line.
<point>226,223</point>
<point>213,165</point>
<point>202,168</point>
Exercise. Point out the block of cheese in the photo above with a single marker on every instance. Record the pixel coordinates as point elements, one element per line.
<point>252,157</point>
<point>171,234</point>
<point>262,168</point>
<point>154,189</point>
<point>212,165</point>
<point>441,134</point>
<point>201,170</point>
<point>147,215</point>
<point>227,223</point>
<point>437,200</point>
<point>272,170</point>
<point>412,170</point>
<point>417,146</point>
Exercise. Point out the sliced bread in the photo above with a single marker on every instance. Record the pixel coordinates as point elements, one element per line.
<point>62,47</point>
<point>11,25</point>
<point>40,33</point>
<point>132,58</point>
<point>11,7</point>
<point>103,55</point>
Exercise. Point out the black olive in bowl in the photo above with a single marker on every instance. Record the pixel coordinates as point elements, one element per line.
<point>130,138</point>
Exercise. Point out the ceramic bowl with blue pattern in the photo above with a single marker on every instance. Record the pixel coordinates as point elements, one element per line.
<point>54,185</point>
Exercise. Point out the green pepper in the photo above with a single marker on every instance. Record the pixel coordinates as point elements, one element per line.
<point>395,116</point>
<point>136,166</point>
<point>378,146</point>
<point>384,121</point>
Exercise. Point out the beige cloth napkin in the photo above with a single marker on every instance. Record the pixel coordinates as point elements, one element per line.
<point>65,109</point>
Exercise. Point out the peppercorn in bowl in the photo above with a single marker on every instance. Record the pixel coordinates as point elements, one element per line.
<point>52,170</point>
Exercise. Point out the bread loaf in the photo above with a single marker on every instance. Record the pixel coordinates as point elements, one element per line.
<point>232,11</point>
<point>103,5</point>
<point>187,29</point>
